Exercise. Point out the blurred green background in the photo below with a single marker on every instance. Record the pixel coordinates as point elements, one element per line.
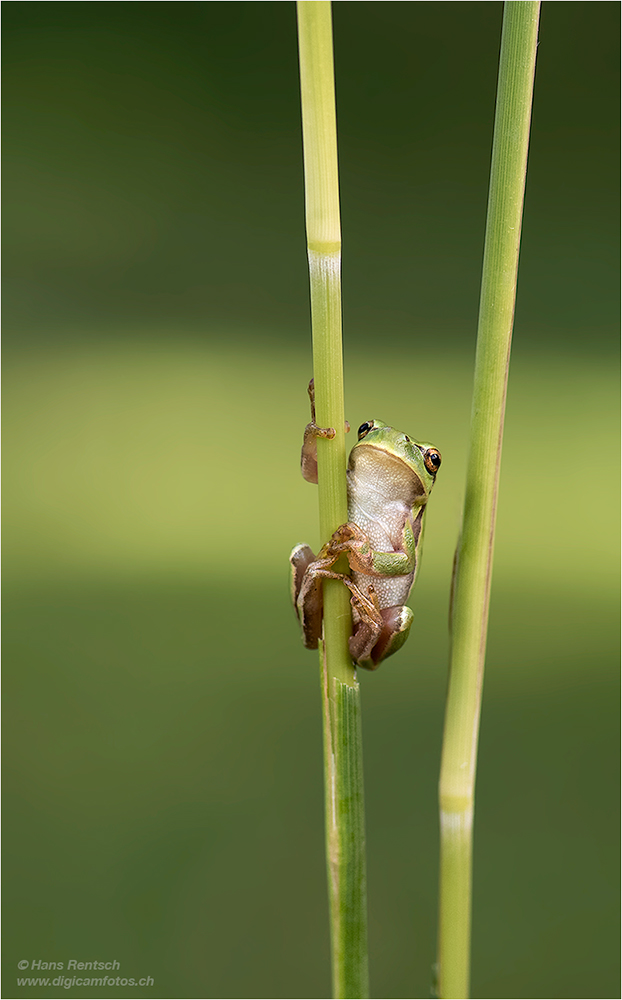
<point>163,778</point>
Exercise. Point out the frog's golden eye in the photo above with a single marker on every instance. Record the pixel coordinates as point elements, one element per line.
<point>432,459</point>
<point>365,428</point>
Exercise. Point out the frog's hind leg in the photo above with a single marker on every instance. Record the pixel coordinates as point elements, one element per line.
<point>308,571</point>
<point>306,594</point>
<point>377,632</point>
<point>387,639</point>
<point>301,557</point>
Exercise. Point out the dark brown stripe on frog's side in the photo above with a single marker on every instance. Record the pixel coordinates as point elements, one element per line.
<point>418,524</point>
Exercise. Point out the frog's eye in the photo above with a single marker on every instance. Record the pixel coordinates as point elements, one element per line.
<point>432,459</point>
<point>365,428</point>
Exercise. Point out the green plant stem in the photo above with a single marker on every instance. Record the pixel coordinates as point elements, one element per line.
<point>475,548</point>
<point>343,765</point>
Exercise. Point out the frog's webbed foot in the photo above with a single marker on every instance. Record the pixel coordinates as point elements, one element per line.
<point>368,622</point>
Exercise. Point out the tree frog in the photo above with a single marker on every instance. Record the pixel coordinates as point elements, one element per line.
<point>390,478</point>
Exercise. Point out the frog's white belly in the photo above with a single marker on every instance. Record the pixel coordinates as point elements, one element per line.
<point>391,590</point>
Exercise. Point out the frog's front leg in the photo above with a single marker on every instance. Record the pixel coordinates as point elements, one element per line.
<point>308,457</point>
<point>355,543</point>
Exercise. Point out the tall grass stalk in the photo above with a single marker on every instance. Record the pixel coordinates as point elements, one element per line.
<point>475,548</point>
<point>343,764</point>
